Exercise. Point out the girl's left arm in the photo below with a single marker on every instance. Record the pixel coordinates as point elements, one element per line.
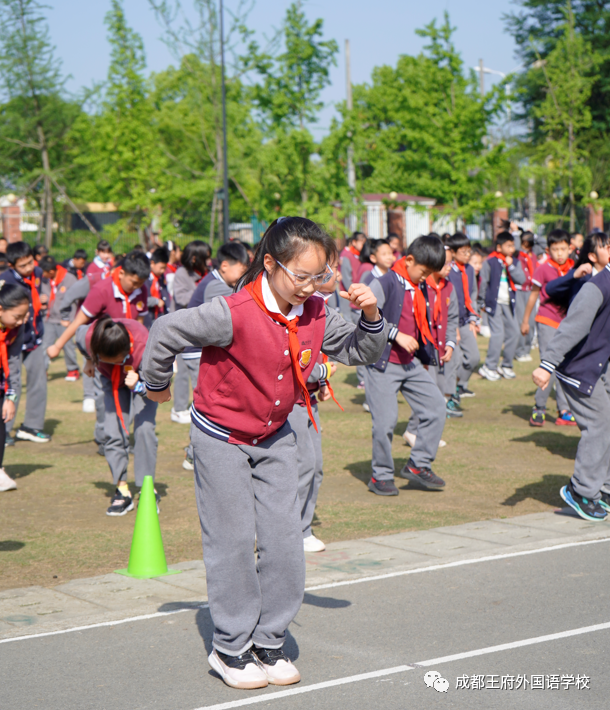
<point>14,364</point>
<point>361,344</point>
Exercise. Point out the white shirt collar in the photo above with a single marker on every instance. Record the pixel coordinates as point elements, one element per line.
<point>376,273</point>
<point>131,296</point>
<point>271,303</point>
<point>594,272</point>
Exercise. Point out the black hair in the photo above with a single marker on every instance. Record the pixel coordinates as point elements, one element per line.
<point>591,244</point>
<point>556,236</point>
<point>428,251</point>
<point>12,295</point>
<point>136,263</point>
<point>16,251</point>
<point>285,239</point>
<point>103,245</point>
<point>47,263</point>
<point>371,246</point>
<point>40,249</point>
<point>357,235</point>
<point>80,254</point>
<point>504,237</point>
<point>160,256</point>
<point>109,339</point>
<point>138,247</point>
<point>195,256</point>
<point>233,252</point>
<point>3,260</point>
<point>457,241</point>
<point>527,237</point>
<point>480,250</point>
<point>575,234</point>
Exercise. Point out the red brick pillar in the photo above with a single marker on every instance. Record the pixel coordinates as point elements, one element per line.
<point>11,223</point>
<point>396,223</point>
<point>500,215</point>
<point>595,218</point>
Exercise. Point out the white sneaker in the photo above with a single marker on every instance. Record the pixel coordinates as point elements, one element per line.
<point>89,405</point>
<point>183,417</point>
<point>278,668</point>
<point>485,331</point>
<point>506,372</point>
<point>366,407</point>
<point>442,443</point>
<point>524,358</point>
<point>242,671</point>
<point>6,482</point>
<point>488,374</point>
<point>187,464</point>
<point>312,544</point>
<point>409,438</point>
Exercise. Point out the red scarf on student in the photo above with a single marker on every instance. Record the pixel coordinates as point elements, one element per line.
<point>36,305</point>
<point>126,304</point>
<point>116,380</point>
<point>465,288</point>
<point>562,269</point>
<point>59,277</point>
<point>502,258</point>
<point>255,289</point>
<point>438,287</point>
<point>355,252</point>
<point>419,302</point>
<point>330,389</point>
<point>4,356</point>
<point>155,292</point>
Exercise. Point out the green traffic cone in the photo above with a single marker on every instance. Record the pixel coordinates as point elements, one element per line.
<point>147,558</point>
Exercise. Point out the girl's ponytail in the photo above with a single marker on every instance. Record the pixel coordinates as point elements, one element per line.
<point>108,339</point>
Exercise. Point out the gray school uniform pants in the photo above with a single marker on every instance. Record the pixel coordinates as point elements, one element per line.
<point>245,492</point>
<point>141,411</point>
<point>444,383</point>
<point>52,331</point>
<point>188,370</point>
<point>592,414</point>
<point>467,355</point>
<point>100,408</point>
<point>36,400</point>
<point>545,334</point>
<point>504,331</point>
<point>309,461</point>
<point>524,344</point>
<point>426,402</point>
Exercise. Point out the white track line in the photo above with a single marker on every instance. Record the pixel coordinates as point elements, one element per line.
<point>330,585</point>
<point>266,697</point>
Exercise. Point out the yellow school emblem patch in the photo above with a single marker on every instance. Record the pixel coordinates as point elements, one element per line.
<point>305,358</point>
<point>448,300</point>
<point>140,305</point>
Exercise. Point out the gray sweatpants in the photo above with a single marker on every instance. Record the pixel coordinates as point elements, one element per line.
<point>467,355</point>
<point>524,344</point>
<point>504,331</point>
<point>545,335</point>
<point>439,377</point>
<point>142,412</point>
<point>309,461</point>
<point>100,408</point>
<point>52,331</point>
<point>592,414</point>
<point>426,402</point>
<point>36,400</point>
<point>245,492</point>
<point>188,370</point>
<point>88,387</point>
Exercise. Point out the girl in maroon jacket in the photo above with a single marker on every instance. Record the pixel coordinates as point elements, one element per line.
<point>259,347</point>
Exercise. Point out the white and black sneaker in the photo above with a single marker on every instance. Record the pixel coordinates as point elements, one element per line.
<point>488,374</point>
<point>243,671</point>
<point>278,668</point>
<point>120,504</point>
<point>507,372</point>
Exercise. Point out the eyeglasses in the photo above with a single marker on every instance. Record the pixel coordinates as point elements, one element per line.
<point>306,279</point>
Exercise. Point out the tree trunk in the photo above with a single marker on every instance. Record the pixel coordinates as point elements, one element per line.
<point>214,200</point>
<point>48,197</point>
<point>571,178</point>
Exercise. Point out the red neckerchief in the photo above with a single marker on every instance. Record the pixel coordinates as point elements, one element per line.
<point>353,250</point>
<point>116,379</point>
<point>502,258</point>
<point>201,275</point>
<point>330,389</point>
<point>530,262</point>
<point>155,292</point>
<point>126,303</point>
<point>562,269</point>
<point>36,305</point>
<point>4,356</point>
<point>79,274</point>
<point>59,277</point>
<point>465,288</point>
<point>256,291</point>
<point>438,287</point>
<point>419,302</point>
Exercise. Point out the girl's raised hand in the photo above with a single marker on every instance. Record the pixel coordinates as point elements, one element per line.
<point>362,297</point>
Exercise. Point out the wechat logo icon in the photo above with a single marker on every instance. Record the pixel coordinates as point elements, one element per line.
<point>433,679</point>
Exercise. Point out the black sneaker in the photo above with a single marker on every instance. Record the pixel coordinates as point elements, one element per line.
<point>120,504</point>
<point>453,409</point>
<point>383,488</point>
<point>465,392</point>
<point>423,476</point>
<point>277,666</point>
<point>27,434</point>
<point>588,509</point>
<point>604,501</point>
<point>538,416</point>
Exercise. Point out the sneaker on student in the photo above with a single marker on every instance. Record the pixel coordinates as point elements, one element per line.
<point>278,668</point>
<point>538,416</point>
<point>243,671</point>
<point>565,418</point>
<point>506,372</point>
<point>524,358</point>
<point>188,464</point>
<point>9,441</point>
<point>488,374</point>
<point>72,376</point>
<point>604,501</point>
<point>366,407</point>
<point>183,417</point>
<point>453,409</point>
<point>6,482</point>
<point>485,331</point>
<point>585,507</point>
<point>312,544</point>
<point>89,405</point>
<point>409,438</point>
<point>463,391</point>
<point>27,434</point>
<point>120,504</point>
<point>360,385</point>
<point>424,476</point>
<point>383,488</point>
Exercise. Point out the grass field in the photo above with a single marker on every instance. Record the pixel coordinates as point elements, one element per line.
<point>54,527</point>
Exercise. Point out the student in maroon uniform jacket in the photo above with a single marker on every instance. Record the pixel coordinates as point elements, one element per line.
<point>349,266</point>
<point>259,347</point>
<point>102,262</point>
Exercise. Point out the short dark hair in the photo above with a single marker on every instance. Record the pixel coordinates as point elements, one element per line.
<point>527,237</point>
<point>234,253</point>
<point>357,235</point>
<point>138,247</point>
<point>504,237</point>
<point>371,246</point>
<point>556,236</point>
<point>457,241</point>
<point>160,256</point>
<point>47,263</point>
<point>16,251</point>
<point>108,339</point>
<point>39,249</point>
<point>428,251</point>
<point>591,244</point>
<point>80,254</point>
<point>136,263</point>
<point>12,295</point>
<point>103,245</point>
<point>195,256</point>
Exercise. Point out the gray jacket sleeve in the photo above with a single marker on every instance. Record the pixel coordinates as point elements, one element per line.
<point>516,272</point>
<point>318,372</point>
<point>361,344</point>
<point>208,324</point>
<point>77,292</point>
<point>453,320</point>
<point>574,327</point>
<point>80,340</point>
<point>184,286</point>
<point>347,277</point>
<point>14,364</point>
<point>217,288</point>
<point>378,292</point>
<point>485,273</point>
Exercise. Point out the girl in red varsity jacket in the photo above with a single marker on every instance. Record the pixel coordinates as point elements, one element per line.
<point>14,311</point>
<point>259,347</point>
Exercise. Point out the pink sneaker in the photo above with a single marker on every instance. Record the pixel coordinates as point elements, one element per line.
<point>278,668</point>
<point>243,671</point>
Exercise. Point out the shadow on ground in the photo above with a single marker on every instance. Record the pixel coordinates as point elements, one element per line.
<point>554,442</point>
<point>325,602</point>
<point>21,470</point>
<point>545,491</point>
<point>11,545</point>
<point>110,488</point>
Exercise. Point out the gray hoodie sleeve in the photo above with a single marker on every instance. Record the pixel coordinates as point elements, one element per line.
<point>77,292</point>
<point>208,324</point>
<point>574,327</point>
<point>516,272</point>
<point>453,320</point>
<point>485,273</point>
<point>14,363</point>
<point>80,340</point>
<point>361,344</point>
<point>347,276</point>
